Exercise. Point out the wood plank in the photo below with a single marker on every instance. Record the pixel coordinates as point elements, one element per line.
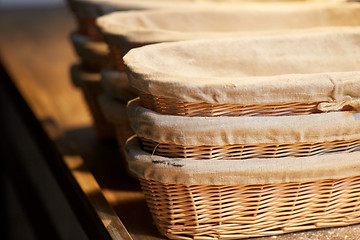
<point>42,78</point>
<point>121,190</point>
<point>39,60</point>
<point>91,188</point>
<point>37,53</point>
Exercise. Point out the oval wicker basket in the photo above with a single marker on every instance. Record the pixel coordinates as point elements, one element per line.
<point>86,11</point>
<point>116,85</point>
<point>91,88</point>
<point>240,138</point>
<point>87,27</point>
<point>270,75</point>
<point>114,112</point>
<point>234,211</point>
<point>94,55</point>
<point>125,31</point>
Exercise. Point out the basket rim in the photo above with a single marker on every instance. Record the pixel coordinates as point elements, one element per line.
<point>79,75</point>
<point>217,131</point>
<point>229,172</point>
<point>172,106</point>
<point>116,24</point>
<point>249,151</point>
<point>113,109</point>
<point>96,8</point>
<point>249,89</point>
<point>90,51</point>
<point>116,85</point>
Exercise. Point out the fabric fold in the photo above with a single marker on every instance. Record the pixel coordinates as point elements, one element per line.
<point>338,105</point>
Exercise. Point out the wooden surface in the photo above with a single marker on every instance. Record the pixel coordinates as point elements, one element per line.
<point>37,54</point>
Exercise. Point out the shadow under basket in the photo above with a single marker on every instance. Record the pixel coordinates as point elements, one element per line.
<point>241,211</point>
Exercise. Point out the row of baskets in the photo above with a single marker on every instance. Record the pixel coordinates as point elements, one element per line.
<point>246,116</point>
<point>123,31</point>
<point>232,176</point>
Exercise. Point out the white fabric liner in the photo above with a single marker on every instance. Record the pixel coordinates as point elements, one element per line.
<point>116,85</point>
<point>301,67</point>
<point>114,111</point>
<point>78,76</point>
<point>74,75</point>
<point>88,50</point>
<point>95,8</point>
<point>234,172</point>
<point>217,131</point>
<point>136,28</point>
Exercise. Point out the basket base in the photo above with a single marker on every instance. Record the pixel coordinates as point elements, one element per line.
<point>243,211</point>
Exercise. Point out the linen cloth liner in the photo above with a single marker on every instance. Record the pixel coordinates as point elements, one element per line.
<point>75,70</point>
<point>95,8</point>
<point>137,28</point>
<point>116,85</point>
<point>90,51</point>
<point>303,67</point>
<point>233,172</point>
<point>78,76</point>
<point>114,111</point>
<point>223,130</point>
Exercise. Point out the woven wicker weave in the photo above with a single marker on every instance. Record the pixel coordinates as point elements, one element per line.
<point>117,61</point>
<point>243,151</point>
<point>240,211</point>
<point>87,27</point>
<point>201,109</point>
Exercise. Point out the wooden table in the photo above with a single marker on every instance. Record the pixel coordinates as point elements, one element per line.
<point>37,54</point>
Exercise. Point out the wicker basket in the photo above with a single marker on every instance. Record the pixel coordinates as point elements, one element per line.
<point>124,31</point>
<point>241,211</point>
<point>117,93</point>
<point>115,113</point>
<point>116,85</point>
<point>172,106</point>
<point>85,17</point>
<point>86,11</point>
<point>87,27</point>
<point>250,209</point>
<point>238,138</point>
<point>92,88</point>
<point>301,81</point>
<point>248,151</point>
<point>94,55</point>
